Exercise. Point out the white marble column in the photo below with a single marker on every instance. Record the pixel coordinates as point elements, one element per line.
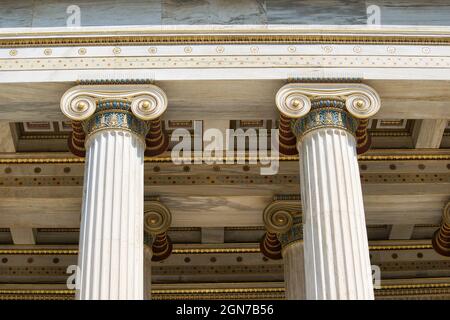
<point>293,258</point>
<point>336,247</point>
<point>148,272</point>
<point>337,264</point>
<point>283,218</point>
<point>111,248</point>
<point>157,244</point>
<point>111,231</point>
<point>294,271</point>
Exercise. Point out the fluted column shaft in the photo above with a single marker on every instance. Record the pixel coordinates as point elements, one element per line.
<point>111,239</point>
<point>326,118</point>
<point>283,239</point>
<point>337,261</point>
<point>113,121</point>
<point>292,252</point>
<point>294,271</point>
<point>147,272</point>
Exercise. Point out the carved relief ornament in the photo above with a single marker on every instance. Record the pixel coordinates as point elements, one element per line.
<point>294,100</point>
<point>147,102</point>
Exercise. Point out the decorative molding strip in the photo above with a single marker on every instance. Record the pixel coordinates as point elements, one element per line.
<point>351,62</point>
<point>38,39</point>
<point>409,157</point>
<point>400,247</point>
<point>231,250</point>
<point>389,134</point>
<point>343,79</point>
<point>416,290</point>
<point>214,178</point>
<point>224,290</point>
<point>245,228</point>
<point>39,252</point>
<point>34,294</point>
<point>215,250</point>
<point>114,81</point>
<point>58,229</point>
<point>44,137</point>
<point>326,112</point>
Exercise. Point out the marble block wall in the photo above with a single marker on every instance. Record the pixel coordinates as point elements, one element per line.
<point>53,13</point>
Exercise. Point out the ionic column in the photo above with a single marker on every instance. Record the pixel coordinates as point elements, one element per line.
<point>157,244</point>
<point>441,238</point>
<point>293,258</point>
<point>337,264</point>
<point>115,121</point>
<point>282,218</point>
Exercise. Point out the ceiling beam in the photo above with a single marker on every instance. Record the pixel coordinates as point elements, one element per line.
<point>401,232</point>
<point>220,125</point>
<point>23,235</point>
<point>217,211</point>
<point>428,133</point>
<point>213,235</point>
<point>7,138</point>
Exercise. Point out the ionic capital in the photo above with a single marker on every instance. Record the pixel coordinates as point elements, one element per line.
<point>134,108</point>
<point>157,220</point>
<point>278,215</point>
<point>294,100</point>
<point>441,238</point>
<point>157,217</point>
<point>283,221</point>
<point>146,102</point>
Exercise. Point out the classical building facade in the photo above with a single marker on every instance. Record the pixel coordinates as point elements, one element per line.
<point>251,150</point>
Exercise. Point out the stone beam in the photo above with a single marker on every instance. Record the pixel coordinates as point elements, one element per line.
<point>225,99</point>
<point>428,133</point>
<point>7,138</point>
<point>213,235</point>
<point>401,231</point>
<point>23,235</point>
